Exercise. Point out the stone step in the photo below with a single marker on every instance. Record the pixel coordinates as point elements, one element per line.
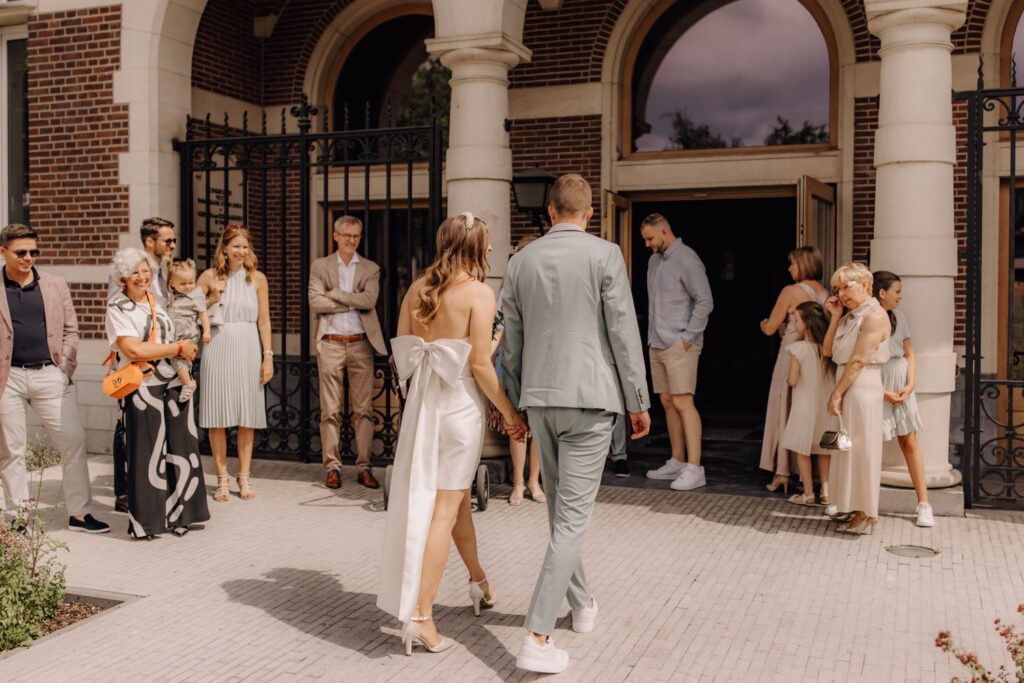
<point>948,502</point>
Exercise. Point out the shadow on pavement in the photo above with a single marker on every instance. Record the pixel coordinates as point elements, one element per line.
<point>297,597</point>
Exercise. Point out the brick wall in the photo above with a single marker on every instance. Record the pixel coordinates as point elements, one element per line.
<point>76,133</point>
<point>569,144</point>
<point>960,220</point>
<point>864,125</point>
<point>967,38</point>
<point>226,57</point>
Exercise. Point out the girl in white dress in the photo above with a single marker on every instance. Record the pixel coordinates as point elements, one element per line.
<point>900,417</point>
<point>811,376</point>
<point>444,352</point>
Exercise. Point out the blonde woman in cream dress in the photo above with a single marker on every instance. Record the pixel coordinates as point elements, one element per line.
<point>858,344</point>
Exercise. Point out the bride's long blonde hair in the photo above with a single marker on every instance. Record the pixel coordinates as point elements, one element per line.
<point>462,243</point>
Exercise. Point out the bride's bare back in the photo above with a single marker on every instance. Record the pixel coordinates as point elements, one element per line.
<point>456,311</point>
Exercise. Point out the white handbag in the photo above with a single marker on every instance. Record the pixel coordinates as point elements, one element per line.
<point>837,440</point>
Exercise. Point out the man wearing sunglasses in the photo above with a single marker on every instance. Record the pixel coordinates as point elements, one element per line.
<point>158,240</point>
<point>38,355</point>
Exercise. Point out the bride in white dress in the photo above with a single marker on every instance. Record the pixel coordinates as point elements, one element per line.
<point>443,351</point>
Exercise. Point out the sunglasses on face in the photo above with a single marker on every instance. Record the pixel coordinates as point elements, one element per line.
<point>353,238</point>
<point>170,240</point>
<point>22,253</point>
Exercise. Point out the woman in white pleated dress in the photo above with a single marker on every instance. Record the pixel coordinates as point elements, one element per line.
<point>238,362</point>
<point>858,345</point>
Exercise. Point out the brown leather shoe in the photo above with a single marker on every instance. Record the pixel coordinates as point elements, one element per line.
<point>333,480</point>
<point>367,479</point>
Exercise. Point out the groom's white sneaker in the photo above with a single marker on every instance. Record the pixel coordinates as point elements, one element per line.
<point>583,619</point>
<point>544,659</point>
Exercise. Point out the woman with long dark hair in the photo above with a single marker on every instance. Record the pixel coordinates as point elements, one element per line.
<point>900,417</point>
<point>444,351</point>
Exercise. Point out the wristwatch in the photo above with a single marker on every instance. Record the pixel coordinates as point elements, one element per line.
<point>268,353</point>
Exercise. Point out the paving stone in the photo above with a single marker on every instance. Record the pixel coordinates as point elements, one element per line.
<point>692,587</point>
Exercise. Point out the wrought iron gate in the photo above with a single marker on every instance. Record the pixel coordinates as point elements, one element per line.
<point>288,188</point>
<point>993,464</point>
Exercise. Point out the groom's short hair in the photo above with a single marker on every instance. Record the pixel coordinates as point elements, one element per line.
<point>570,195</point>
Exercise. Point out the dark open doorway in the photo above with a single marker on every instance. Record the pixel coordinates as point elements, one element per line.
<point>744,245</point>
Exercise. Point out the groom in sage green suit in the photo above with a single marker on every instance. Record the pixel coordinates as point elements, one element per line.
<point>572,359</point>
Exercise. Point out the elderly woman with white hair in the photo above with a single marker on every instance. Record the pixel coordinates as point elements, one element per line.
<point>857,343</point>
<point>165,476</point>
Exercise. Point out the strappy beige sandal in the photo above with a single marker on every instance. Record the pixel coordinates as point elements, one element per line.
<point>245,490</point>
<point>222,494</point>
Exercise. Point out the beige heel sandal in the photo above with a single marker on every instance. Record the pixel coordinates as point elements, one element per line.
<point>222,494</point>
<point>245,490</point>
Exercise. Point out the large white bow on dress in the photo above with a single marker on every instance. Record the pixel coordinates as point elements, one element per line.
<point>444,357</point>
<point>429,366</point>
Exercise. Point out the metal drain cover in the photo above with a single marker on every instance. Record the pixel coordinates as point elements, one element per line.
<point>913,551</point>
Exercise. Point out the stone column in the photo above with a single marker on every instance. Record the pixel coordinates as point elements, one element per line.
<point>915,151</point>
<point>480,41</point>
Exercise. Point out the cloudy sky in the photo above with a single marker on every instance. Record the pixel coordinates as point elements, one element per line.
<point>739,67</point>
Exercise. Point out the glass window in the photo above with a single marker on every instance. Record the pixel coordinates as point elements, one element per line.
<point>17,131</point>
<point>744,74</point>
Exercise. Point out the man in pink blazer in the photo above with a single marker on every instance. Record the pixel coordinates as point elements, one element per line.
<point>343,290</point>
<point>38,355</point>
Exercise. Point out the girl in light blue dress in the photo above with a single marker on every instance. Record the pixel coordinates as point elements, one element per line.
<point>900,417</point>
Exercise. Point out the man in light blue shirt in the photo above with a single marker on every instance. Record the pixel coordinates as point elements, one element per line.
<point>680,302</point>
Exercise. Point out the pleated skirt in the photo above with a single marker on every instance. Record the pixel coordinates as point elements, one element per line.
<point>230,393</point>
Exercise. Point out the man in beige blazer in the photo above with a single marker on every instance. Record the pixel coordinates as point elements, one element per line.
<point>343,289</point>
<point>38,356</point>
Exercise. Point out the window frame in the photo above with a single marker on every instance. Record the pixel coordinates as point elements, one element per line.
<point>626,98</point>
<point>7,35</point>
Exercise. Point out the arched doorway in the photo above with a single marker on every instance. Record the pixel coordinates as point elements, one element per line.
<point>729,122</point>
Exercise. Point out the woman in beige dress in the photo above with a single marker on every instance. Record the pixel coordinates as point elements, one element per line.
<point>805,267</point>
<point>858,344</point>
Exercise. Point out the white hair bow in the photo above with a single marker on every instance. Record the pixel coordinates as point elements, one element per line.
<point>470,220</point>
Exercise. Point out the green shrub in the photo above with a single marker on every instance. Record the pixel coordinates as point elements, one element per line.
<point>31,580</point>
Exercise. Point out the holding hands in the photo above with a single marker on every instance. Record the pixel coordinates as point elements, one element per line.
<point>515,426</point>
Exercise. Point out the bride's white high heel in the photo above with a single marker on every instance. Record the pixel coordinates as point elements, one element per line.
<point>411,635</point>
<point>477,595</point>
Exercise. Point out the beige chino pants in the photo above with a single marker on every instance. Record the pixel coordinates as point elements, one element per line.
<point>48,391</point>
<point>333,359</point>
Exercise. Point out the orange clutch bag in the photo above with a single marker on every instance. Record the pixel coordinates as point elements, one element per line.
<point>126,381</point>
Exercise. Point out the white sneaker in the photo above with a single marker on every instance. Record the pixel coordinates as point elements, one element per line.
<point>670,470</point>
<point>832,510</point>
<point>544,659</point>
<point>925,517</point>
<point>583,619</point>
<point>692,477</point>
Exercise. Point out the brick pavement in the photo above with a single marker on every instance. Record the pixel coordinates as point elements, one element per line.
<point>693,587</point>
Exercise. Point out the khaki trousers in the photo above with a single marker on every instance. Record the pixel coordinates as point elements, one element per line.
<point>333,359</point>
<point>48,391</point>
